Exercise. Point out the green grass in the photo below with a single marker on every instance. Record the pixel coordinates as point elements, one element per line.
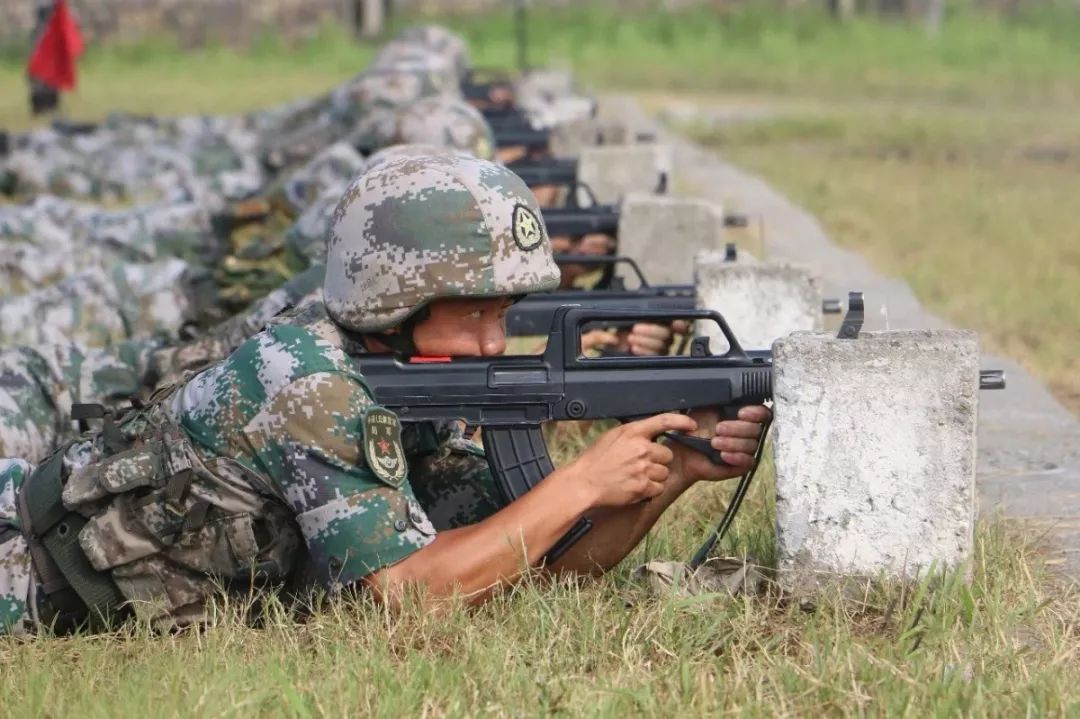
<point>1004,644</point>
<point>1030,56</point>
<point>973,205</point>
<point>949,161</point>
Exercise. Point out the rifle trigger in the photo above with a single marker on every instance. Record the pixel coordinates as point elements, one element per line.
<point>698,444</point>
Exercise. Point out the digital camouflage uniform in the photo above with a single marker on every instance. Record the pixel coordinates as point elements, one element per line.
<point>40,245</point>
<point>268,247</point>
<point>227,478</point>
<point>442,41</point>
<point>355,112</point>
<point>97,307</point>
<point>39,385</point>
<point>108,168</point>
<point>448,123</point>
<point>134,160</point>
<point>18,581</point>
<point>259,254</point>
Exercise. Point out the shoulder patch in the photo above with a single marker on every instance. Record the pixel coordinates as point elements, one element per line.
<point>528,232</point>
<point>382,446</point>
<point>484,148</point>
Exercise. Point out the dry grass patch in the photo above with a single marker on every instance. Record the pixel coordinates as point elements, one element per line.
<point>974,206</point>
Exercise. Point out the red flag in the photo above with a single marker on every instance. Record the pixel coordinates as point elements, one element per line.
<point>60,44</point>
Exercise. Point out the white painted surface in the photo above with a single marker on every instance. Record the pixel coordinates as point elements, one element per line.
<point>656,230</point>
<point>761,301</point>
<point>613,172</point>
<point>875,443</point>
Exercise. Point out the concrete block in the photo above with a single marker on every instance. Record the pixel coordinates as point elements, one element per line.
<point>614,172</point>
<point>875,454</point>
<point>543,85</point>
<point>620,124</point>
<point>574,129</point>
<point>761,301</point>
<point>652,228</point>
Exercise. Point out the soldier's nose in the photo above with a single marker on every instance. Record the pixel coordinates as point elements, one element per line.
<point>493,343</point>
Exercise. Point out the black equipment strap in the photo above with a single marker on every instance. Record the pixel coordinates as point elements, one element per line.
<point>74,588</point>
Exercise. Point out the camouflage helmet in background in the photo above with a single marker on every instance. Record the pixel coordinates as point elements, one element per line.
<point>448,123</point>
<point>415,230</point>
<point>397,152</point>
<point>332,168</point>
<point>388,88</point>
<point>443,41</point>
<point>399,54</point>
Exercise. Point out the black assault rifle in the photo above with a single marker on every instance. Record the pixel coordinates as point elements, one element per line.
<point>510,397</point>
<point>534,313</point>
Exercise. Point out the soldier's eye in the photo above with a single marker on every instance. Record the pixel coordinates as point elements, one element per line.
<point>475,315</point>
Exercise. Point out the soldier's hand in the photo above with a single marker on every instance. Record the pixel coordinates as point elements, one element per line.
<point>625,465</point>
<point>601,339</point>
<point>735,439</point>
<point>648,339</point>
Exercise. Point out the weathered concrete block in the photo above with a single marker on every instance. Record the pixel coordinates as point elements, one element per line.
<point>614,172</point>
<point>622,124</point>
<point>651,225</point>
<point>573,132</point>
<point>544,84</point>
<point>875,454</point>
<point>761,301</point>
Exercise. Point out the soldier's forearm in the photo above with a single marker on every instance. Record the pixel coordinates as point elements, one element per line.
<point>476,560</point>
<point>616,531</point>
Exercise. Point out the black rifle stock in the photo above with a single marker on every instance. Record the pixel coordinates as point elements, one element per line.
<point>581,221</point>
<point>511,397</point>
<point>560,171</point>
<point>531,138</point>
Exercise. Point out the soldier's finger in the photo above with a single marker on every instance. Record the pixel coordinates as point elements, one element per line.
<point>599,338</point>
<point>739,460</point>
<point>660,453</point>
<point>646,346</point>
<point>755,413</point>
<point>657,473</point>
<point>738,428</point>
<point>734,444</point>
<point>667,422</point>
<point>646,329</point>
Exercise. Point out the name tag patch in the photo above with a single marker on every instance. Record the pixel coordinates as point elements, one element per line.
<point>382,446</point>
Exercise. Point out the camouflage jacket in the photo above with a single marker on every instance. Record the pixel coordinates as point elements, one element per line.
<point>289,405</point>
<point>283,448</point>
<point>38,387</point>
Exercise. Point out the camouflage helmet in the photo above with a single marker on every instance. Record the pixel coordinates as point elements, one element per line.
<point>333,167</point>
<point>446,122</point>
<point>381,89</point>
<point>420,229</point>
<point>400,53</point>
<point>396,152</point>
<point>437,38</point>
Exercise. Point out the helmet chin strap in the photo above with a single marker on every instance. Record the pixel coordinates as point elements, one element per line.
<point>401,342</point>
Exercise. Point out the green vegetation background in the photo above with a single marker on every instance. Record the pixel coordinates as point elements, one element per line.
<point>951,160</point>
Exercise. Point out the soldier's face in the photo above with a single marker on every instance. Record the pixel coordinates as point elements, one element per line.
<point>594,243</point>
<point>463,328</point>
